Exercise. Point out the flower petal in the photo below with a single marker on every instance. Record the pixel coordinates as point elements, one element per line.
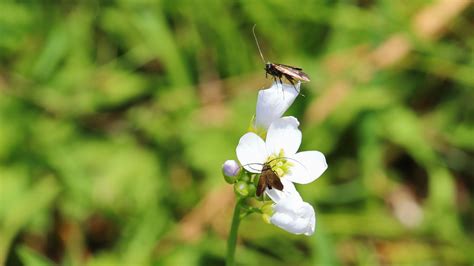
<point>284,134</point>
<point>289,191</point>
<point>294,216</point>
<point>307,167</point>
<point>251,152</point>
<point>312,225</point>
<point>273,102</point>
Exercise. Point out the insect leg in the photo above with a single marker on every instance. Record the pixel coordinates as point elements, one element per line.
<point>292,81</point>
<point>281,83</point>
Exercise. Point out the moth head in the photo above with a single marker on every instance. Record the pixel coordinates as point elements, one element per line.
<point>268,66</point>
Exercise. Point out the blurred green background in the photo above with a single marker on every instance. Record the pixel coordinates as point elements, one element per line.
<point>115,118</point>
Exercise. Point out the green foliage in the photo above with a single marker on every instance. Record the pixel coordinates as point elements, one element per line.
<point>115,117</point>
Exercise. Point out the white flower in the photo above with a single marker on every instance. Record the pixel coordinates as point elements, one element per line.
<point>280,151</point>
<point>294,215</point>
<point>273,102</point>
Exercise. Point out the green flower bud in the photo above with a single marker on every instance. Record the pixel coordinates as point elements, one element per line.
<point>245,177</point>
<point>267,212</point>
<point>252,189</point>
<point>241,188</point>
<point>266,218</point>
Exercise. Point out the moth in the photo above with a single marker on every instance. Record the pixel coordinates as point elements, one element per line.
<point>291,73</point>
<point>268,179</point>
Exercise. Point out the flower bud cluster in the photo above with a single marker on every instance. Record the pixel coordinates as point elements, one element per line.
<point>241,179</point>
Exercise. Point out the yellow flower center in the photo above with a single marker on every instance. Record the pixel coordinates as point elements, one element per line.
<point>279,164</point>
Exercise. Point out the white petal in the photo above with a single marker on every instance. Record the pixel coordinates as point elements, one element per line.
<point>312,225</point>
<point>251,152</point>
<point>273,102</point>
<point>307,167</point>
<point>289,191</point>
<point>284,134</point>
<point>294,216</point>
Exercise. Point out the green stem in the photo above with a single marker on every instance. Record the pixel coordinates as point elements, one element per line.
<point>232,240</point>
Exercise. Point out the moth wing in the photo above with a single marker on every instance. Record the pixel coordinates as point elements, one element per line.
<point>303,76</point>
<point>287,66</point>
<point>274,181</point>
<point>293,72</point>
<point>262,183</point>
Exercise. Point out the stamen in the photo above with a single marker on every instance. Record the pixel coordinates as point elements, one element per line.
<point>279,164</point>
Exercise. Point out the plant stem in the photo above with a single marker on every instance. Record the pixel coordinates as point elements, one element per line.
<point>232,240</point>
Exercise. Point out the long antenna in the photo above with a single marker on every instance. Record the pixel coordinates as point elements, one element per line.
<point>256,41</point>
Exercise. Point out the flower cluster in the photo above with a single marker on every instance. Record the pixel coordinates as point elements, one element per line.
<point>269,156</point>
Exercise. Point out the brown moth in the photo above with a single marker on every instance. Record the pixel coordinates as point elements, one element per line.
<point>268,179</point>
<point>291,73</point>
